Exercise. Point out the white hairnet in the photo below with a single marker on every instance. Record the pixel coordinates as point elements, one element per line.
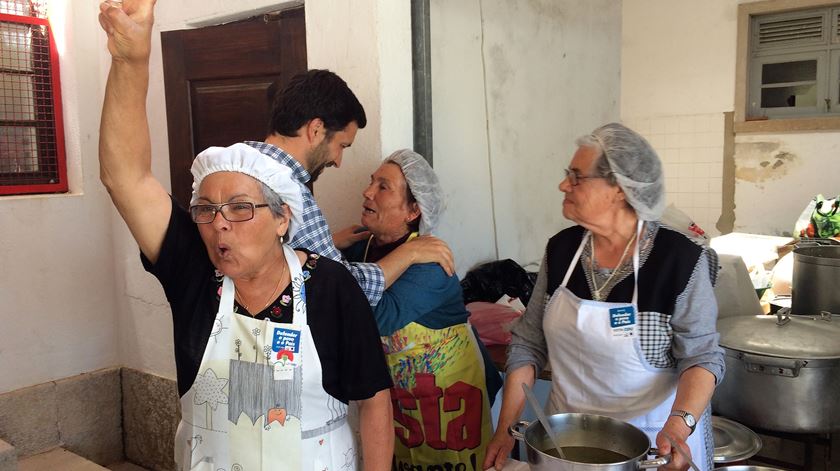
<point>243,158</point>
<point>636,167</point>
<point>424,185</point>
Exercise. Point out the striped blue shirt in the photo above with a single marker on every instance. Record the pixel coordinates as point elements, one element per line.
<point>315,234</point>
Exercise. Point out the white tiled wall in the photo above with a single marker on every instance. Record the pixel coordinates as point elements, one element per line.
<point>691,149</point>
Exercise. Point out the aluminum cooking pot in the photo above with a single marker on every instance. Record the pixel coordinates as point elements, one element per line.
<point>748,468</point>
<point>614,444</point>
<point>816,270</point>
<point>782,373</point>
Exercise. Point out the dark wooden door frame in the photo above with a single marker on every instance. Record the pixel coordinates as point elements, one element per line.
<point>252,53</point>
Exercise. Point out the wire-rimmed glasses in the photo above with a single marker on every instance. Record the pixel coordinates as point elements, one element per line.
<point>234,212</point>
<point>575,179</point>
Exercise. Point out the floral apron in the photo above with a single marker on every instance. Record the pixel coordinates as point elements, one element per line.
<point>441,409</point>
<point>258,402</point>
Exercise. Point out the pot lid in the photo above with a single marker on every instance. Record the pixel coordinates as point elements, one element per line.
<point>801,337</point>
<point>733,441</point>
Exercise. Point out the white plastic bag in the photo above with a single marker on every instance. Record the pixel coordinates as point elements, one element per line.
<point>680,221</point>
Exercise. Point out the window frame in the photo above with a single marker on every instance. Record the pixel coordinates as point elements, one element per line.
<point>61,186</point>
<point>746,13</point>
<point>787,112</point>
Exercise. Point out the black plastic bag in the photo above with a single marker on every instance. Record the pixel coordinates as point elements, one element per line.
<point>489,281</point>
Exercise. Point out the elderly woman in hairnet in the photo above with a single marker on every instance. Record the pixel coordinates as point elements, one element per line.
<point>623,310</point>
<point>430,348</point>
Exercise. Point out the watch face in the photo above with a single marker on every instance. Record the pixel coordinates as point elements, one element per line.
<point>689,420</point>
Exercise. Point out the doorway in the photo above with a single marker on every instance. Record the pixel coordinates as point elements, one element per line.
<point>217,80</point>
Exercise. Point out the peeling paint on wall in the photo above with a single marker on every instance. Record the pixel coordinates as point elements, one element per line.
<point>758,162</point>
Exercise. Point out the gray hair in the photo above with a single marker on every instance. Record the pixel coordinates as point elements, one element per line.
<point>601,168</point>
<point>274,202</point>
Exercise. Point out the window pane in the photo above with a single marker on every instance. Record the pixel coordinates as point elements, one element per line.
<point>17,102</point>
<point>15,7</point>
<point>782,97</point>
<point>16,44</point>
<point>18,150</point>
<point>783,72</point>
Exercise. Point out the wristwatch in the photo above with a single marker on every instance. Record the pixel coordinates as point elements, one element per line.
<point>689,419</point>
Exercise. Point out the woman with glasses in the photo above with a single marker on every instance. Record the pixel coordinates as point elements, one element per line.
<point>623,310</point>
<point>271,343</point>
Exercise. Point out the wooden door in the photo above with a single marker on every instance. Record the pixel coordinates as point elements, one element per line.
<point>217,80</point>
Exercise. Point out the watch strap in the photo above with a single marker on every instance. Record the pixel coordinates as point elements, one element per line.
<point>687,417</point>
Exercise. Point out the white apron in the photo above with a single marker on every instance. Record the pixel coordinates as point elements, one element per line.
<point>257,403</point>
<point>597,365</point>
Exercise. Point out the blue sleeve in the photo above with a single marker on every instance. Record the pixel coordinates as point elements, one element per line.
<point>420,290</point>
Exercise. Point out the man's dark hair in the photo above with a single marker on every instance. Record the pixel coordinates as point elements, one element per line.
<point>315,94</point>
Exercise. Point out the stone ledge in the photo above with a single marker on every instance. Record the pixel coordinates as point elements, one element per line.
<point>8,457</point>
<point>58,458</point>
<point>82,413</point>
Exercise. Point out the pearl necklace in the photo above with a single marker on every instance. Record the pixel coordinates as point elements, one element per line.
<point>596,293</point>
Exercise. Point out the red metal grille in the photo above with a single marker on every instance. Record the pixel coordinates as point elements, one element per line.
<point>31,135</point>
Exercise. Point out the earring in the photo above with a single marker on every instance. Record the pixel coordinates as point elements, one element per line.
<point>282,239</point>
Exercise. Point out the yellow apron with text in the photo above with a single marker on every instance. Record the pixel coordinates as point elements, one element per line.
<point>441,409</point>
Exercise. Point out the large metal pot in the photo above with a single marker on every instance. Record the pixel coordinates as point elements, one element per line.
<point>782,373</point>
<point>578,431</point>
<point>816,270</point>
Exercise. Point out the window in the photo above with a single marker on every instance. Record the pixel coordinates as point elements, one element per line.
<point>794,70</point>
<point>32,156</point>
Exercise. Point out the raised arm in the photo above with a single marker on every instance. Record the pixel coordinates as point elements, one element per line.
<point>124,143</point>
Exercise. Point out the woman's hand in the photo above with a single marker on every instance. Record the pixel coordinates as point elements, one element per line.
<point>349,236</point>
<point>430,249</point>
<point>129,29</point>
<point>498,449</point>
<point>513,401</point>
<point>676,430</point>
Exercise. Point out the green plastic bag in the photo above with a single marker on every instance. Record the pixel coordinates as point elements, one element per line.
<point>826,217</point>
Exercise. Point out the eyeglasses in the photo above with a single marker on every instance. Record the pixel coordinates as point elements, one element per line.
<point>233,212</point>
<point>575,179</point>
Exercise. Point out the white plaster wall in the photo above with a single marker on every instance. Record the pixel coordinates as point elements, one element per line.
<point>677,57</point>
<point>368,43</point>
<point>678,63</point>
<point>57,287</point>
<point>459,131</point>
<point>514,83</point>
<point>778,174</point>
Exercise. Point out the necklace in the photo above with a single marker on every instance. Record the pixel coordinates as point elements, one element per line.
<point>270,297</point>
<point>596,293</point>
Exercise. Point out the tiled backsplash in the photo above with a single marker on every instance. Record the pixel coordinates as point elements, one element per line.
<point>691,149</point>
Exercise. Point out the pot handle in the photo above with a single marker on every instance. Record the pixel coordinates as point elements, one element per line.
<point>514,431</point>
<point>814,242</point>
<point>771,365</point>
<point>656,462</point>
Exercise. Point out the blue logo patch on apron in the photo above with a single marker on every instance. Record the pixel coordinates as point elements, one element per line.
<point>624,316</point>
<point>286,339</point>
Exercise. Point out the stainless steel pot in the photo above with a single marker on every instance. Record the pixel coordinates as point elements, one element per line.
<point>782,373</point>
<point>748,468</point>
<point>586,430</point>
<point>816,270</point>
